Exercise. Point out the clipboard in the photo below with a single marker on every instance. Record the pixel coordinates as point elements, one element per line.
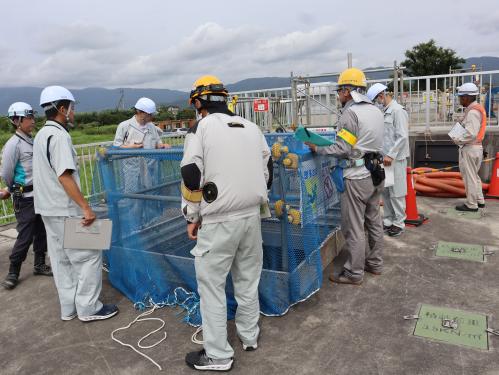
<point>134,136</point>
<point>305,135</point>
<point>94,237</point>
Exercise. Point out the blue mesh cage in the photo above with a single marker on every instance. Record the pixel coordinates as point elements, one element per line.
<point>149,259</point>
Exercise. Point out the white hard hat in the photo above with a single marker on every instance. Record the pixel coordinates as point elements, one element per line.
<point>467,89</point>
<point>20,109</point>
<point>374,90</point>
<point>52,94</point>
<point>146,105</point>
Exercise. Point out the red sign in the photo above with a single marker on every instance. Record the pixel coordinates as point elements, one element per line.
<point>261,105</point>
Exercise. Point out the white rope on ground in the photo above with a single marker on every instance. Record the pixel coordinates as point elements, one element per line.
<point>194,337</point>
<point>141,318</point>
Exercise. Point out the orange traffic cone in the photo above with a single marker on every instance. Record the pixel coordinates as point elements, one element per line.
<point>411,208</point>
<point>493,191</point>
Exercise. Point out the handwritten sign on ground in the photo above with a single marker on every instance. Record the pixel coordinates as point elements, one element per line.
<point>452,326</point>
<point>460,251</point>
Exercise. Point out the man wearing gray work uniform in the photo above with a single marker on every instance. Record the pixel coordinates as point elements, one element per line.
<point>225,176</point>
<point>56,180</point>
<point>395,154</point>
<point>17,168</point>
<point>359,143</point>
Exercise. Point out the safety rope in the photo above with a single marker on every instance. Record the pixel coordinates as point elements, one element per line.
<point>448,168</point>
<point>188,301</point>
<point>141,318</point>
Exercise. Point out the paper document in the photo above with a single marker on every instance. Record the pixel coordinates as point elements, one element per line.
<point>458,132</point>
<point>265,211</point>
<point>134,136</point>
<point>305,135</point>
<point>389,176</point>
<point>94,237</point>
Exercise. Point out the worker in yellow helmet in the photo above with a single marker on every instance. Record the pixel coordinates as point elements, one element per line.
<point>226,171</point>
<point>358,147</point>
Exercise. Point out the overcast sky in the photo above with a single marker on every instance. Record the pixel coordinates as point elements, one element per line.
<point>168,44</point>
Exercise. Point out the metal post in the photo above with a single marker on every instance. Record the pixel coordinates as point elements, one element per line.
<point>294,103</point>
<point>427,105</point>
<point>349,59</point>
<point>395,81</point>
<point>309,109</point>
<point>401,85</point>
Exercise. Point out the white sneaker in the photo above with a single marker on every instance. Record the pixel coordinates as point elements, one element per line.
<point>69,317</point>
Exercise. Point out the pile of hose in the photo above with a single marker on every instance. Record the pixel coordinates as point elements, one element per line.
<point>432,183</point>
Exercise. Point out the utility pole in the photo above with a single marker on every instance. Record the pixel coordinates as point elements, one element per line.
<point>121,102</point>
<point>349,59</point>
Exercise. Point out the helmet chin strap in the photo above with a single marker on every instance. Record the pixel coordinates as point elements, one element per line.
<point>68,123</point>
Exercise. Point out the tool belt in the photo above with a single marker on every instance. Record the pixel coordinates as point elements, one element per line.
<point>19,189</point>
<point>374,164</point>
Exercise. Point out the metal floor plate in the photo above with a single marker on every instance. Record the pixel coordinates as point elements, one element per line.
<point>460,251</point>
<point>452,326</point>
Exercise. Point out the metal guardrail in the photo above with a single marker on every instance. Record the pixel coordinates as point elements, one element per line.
<point>429,100</point>
<point>90,178</point>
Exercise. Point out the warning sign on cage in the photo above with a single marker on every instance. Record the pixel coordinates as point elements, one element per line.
<point>261,105</point>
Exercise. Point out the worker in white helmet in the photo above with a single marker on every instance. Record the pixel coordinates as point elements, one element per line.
<point>139,131</point>
<point>56,181</point>
<point>395,154</point>
<point>358,146</point>
<point>470,146</point>
<point>17,173</point>
<point>226,171</point>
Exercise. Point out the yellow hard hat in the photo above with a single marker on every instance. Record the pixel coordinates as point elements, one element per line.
<point>352,77</point>
<point>207,85</point>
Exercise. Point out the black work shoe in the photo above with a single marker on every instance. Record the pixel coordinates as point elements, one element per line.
<point>465,208</point>
<point>481,205</point>
<point>374,271</point>
<point>395,231</point>
<point>343,279</point>
<point>42,269</point>
<point>387,228</point>
<point>106,312</point>
<point>200,361</point>
<point>10,281</point>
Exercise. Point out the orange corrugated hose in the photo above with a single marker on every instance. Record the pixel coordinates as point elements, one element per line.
<point>440,184</point>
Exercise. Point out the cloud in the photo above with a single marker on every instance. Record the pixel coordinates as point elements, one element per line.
<point>485,24</point>
<point>77,37</point>
<point>88,56</point>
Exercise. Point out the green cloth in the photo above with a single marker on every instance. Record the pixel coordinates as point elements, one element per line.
<point>306,135</point>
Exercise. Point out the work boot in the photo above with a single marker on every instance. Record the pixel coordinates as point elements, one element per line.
<point>374,271</point>
<point>343,279</point>
<point>12,278</point>
<point>465,208</point>
<point>201,361</point>
<point>40,267</point>
<point>481,205</point>
<point>386,228</point>
<point>395,231</point>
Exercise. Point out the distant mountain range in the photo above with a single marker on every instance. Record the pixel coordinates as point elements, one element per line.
<point>97,99</point>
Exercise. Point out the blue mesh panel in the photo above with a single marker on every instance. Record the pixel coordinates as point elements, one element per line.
<point>150,255</point>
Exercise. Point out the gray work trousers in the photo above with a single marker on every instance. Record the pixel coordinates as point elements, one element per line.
<point>234,246</point>
<point>470,160</point>
<point>394,196</point>
<point>77,272</point>
<point>360,213</point>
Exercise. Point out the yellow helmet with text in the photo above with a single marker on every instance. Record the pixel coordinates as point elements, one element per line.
<point>352,77</point>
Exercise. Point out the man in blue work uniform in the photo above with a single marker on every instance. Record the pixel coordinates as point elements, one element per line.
<point>17,168</point>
